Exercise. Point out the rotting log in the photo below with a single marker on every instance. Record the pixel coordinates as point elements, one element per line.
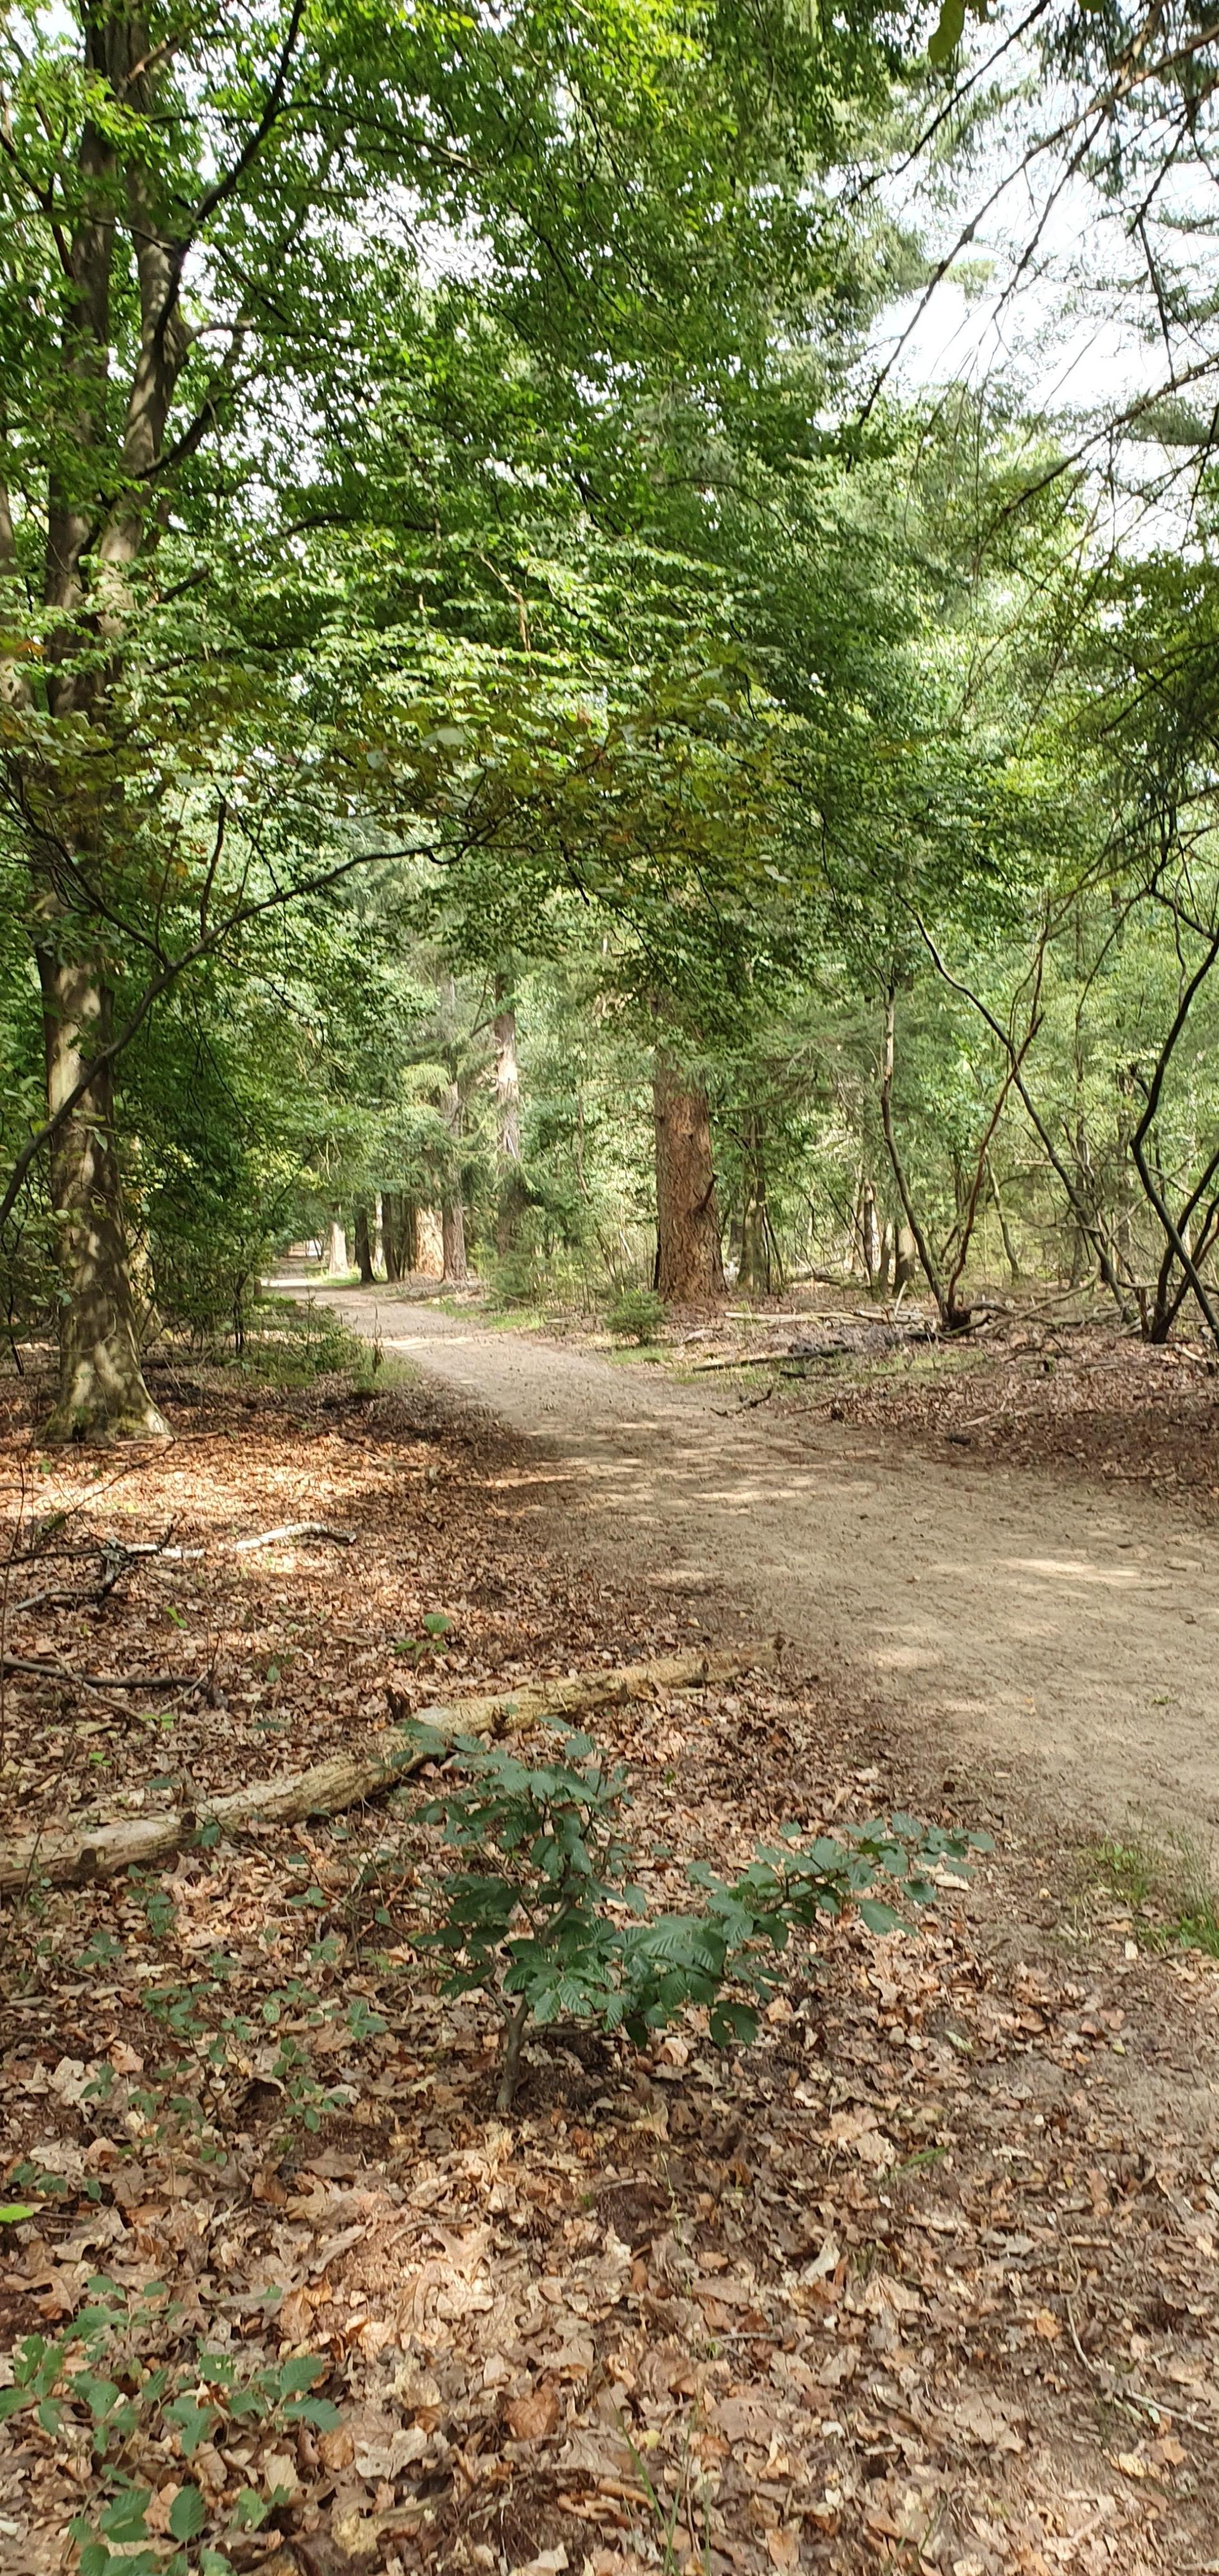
<point>367,1772</point>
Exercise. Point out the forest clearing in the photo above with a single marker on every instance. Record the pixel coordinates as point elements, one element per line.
<point>609,1287</point>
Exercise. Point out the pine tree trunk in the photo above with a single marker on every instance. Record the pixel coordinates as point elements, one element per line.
<point>102,1395</point>
<point>364,1248</point>
<point>510,1194</point>
<point>689,1263</point>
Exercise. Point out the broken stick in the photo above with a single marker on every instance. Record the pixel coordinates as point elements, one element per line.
<point>347,1778</point>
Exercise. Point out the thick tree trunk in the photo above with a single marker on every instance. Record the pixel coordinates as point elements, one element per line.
<point>453,1241</point>
<point>510,1189</point>
<point>334,1258</point>
<point>429,1244</point>
<point>689,1263</point>
<point>102,1395</point>
<point>364,1262</point>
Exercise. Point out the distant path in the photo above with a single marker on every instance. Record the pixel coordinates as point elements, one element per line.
<point>1053,1628</point>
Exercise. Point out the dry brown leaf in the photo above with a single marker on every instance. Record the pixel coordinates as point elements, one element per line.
<point>531,2417</point>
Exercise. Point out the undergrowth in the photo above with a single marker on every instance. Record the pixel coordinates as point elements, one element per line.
<point>1165,1879</point>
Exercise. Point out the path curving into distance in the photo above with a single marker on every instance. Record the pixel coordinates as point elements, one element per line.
<point>1066,1635</point>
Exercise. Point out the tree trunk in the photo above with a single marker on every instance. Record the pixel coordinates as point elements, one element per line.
<point>756,1273</point>
<point>453,1215</point>
<point>689,1264</point>
<point>453,1241</point>
<point>510,1192</point>
<point>378,1233</point>
<point>869,1232</point>
<point>429,1244</point>
<point>102,1395</point>
<point>364,1248</point>
<point>905,1262</point>
<point>389,1234</point>
<point>334,1258</point>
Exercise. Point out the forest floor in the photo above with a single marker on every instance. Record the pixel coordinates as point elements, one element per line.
<point>924,2279</point>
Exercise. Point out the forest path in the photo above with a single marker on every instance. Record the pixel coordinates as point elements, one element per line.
<point>1067,1635</point>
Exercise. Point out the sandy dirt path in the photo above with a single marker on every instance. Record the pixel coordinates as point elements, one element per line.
<point>1066,1636</point>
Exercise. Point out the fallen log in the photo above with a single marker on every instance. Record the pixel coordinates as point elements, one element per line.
<point>347,1778</point>
<point>847,1343</point>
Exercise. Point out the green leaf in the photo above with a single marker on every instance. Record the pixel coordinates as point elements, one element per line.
<point>13,2211</point>
<point>314,2410</point>
<point>194,2422</point>
<point>949,31</point>
<point>187,2514</point>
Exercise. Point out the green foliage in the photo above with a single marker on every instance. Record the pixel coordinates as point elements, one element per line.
<point>436,1625</point>
<point>562,1927</point>
<point>1169,1887</point>
<point>97,2378</point>
<point>290,1343</point>
<point>637,1315</point>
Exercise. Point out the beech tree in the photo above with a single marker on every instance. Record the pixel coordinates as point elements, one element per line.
<point>216,219</point>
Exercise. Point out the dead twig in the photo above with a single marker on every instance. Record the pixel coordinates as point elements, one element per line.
<point>295,1529</point>
<point>101,1681</point>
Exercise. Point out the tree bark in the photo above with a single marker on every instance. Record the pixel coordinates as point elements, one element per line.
<point>102,1395</point>
<point>453,1241</point>
<point>334,1258</point>
<point>905,1261</point>
<point>689,1262</point>
<point>429,1244</point>
<point>376,1764</point>
<point>453,1214</point>
<point>364,1261</point>
<point>510,1191</point>
<point>391,1234</point>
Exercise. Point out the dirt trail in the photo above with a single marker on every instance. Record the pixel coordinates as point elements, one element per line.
<point>1057,1630</point>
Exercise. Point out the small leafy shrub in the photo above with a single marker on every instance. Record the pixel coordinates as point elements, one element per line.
<point>514,1279</point>
<point>637,1315</point>
<point>436,1625</point>
<point>97,2375</point>
<point>290,1344</point>
<point>559,1925</point>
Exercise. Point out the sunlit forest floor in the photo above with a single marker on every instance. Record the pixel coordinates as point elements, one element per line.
<point>925,2278</point>
<point>1049,1382</point>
